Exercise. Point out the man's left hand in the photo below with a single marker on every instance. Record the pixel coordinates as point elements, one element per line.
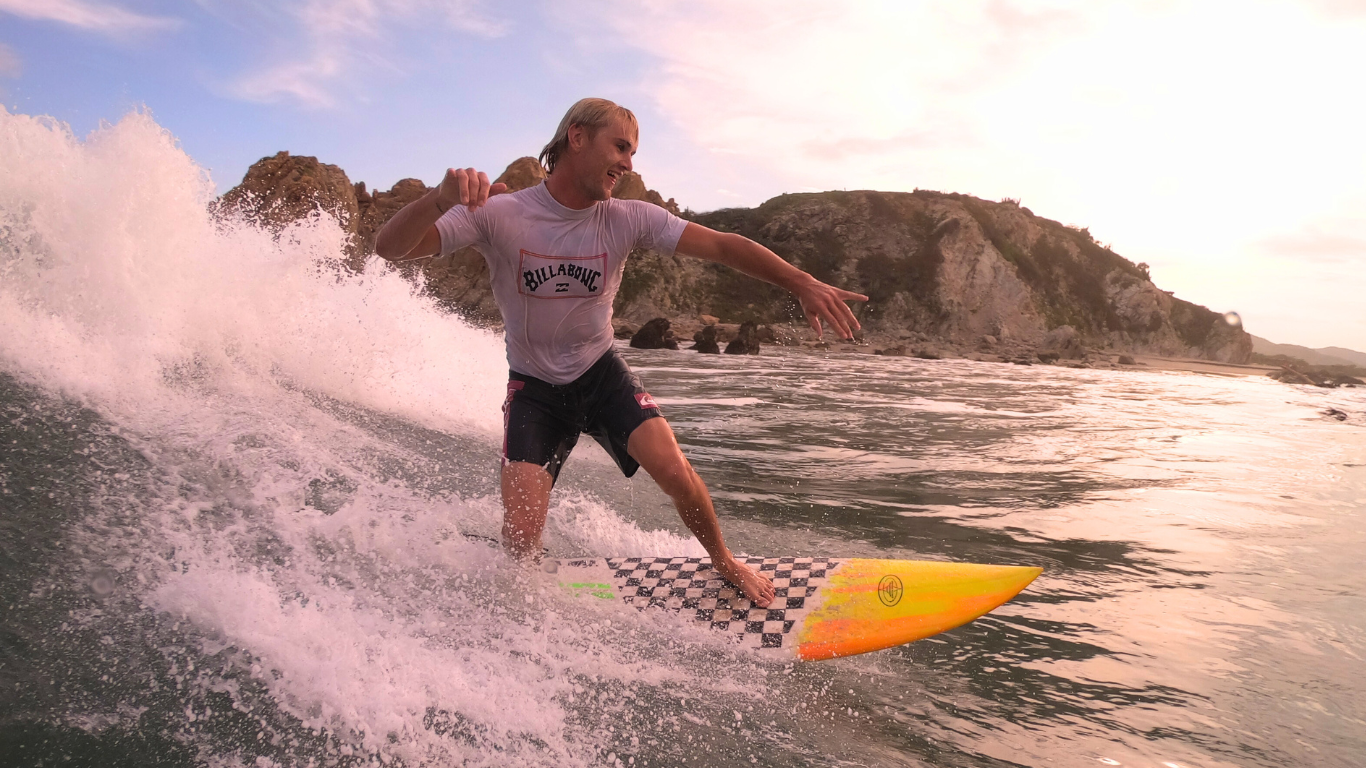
<point>826,302</point>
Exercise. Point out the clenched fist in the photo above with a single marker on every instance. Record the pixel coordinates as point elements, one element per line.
<point>466,186</point>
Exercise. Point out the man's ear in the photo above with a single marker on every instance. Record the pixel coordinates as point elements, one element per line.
<point>578,136</point>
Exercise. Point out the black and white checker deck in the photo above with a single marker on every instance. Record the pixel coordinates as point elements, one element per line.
<point>684,584</point>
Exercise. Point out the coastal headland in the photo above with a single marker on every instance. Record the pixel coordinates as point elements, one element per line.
<point>948,275</point>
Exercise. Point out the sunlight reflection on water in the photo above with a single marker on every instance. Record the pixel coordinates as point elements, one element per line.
<point>1200,602</point>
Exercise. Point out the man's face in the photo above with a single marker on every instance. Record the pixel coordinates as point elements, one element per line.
<point>603,157</point>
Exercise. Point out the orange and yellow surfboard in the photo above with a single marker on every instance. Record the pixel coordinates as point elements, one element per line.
<point>824,607</point>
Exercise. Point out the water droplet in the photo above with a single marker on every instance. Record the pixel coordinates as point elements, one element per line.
<point>102,583</point>
<point>1233,319</point>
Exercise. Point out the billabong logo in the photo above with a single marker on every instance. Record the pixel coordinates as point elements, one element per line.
<point>645,401</point>
<point>561,277</point>
<point>889,590</point>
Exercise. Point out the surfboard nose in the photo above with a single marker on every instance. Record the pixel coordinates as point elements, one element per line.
<point>873,604</point>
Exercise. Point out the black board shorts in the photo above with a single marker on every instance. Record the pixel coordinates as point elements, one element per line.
<point>542,421</point>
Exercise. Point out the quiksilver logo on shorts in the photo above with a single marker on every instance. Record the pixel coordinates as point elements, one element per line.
<point>561,277</point>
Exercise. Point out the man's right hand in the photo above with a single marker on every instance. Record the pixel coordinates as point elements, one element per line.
<point>467,187</point>
<point>756,586</point>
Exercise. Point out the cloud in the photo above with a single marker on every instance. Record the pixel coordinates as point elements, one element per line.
<point>1342,8</point>
<point>94,16</point>
<point>326,42</point>
<point>1188,134</point>
<point>1341,245</point>
<point>1146,103</point>
<point>10,65</point>
<point>814,85</point>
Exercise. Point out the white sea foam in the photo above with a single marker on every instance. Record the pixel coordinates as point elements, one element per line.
<point>115,276</point>
<point>250,369</point>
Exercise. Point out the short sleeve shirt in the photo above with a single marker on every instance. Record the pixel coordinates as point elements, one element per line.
<point>556,270</point>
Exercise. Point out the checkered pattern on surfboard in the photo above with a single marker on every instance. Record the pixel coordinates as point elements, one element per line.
<point>690,584</point>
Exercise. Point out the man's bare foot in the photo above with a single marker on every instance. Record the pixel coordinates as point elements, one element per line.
<point>756,586</point>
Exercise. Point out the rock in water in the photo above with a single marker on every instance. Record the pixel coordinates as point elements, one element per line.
<point>746,342</point>
<point>655,334</point>
<point>704,341</point>
<point>1292,376</point>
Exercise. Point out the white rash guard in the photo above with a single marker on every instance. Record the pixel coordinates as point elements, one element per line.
<point>556,270</point>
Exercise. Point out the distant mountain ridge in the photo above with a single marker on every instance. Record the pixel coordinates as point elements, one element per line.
<point>1320,356</point>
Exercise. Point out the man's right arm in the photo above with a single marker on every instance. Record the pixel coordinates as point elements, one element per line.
<point>412,234</point>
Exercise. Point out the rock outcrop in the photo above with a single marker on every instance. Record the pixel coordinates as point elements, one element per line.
<point>704,341</point>
<point>944,268</point>
<point>284,188</point>
<point>1062,343</point>
<point>375,209</point>
<point>951,267</point>
<point>1316,376</point>
<point>655,334</point>
<point>632,187</point>
<point>522,173</point>
<point>746,342</point>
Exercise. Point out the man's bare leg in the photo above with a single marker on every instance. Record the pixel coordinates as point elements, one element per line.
<point>526,499</point>
<point>654,446</point>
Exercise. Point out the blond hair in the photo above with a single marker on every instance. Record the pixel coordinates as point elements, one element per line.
<point>592,114</point>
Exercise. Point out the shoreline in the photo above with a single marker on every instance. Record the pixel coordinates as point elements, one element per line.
<point>1193,365</point>
<point>922,346</point>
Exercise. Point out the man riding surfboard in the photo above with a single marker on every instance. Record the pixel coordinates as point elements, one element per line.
<point>556,252</point>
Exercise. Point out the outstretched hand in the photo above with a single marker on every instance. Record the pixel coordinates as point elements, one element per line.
<point>826,302</point>
<point>467,187</point>
<point>752,584</point>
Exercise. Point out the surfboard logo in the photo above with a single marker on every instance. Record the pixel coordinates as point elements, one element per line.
<point>596,589</point>
<point>890,590</point>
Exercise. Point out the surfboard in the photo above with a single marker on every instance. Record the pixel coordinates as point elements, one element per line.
<point>823,607</point>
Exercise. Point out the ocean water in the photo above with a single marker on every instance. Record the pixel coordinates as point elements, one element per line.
<point>235,483</point>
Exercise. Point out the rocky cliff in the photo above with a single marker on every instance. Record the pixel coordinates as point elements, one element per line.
<point>948,266</point>
<point>936,266</point>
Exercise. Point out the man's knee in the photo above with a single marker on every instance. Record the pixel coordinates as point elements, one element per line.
<point>525,485</point>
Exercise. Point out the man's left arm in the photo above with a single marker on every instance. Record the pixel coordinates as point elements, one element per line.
<point>819,301</point>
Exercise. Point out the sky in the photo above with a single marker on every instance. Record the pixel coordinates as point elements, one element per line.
<point>1218,142</point>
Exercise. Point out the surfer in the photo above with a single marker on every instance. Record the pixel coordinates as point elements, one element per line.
<point>555,254</point>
